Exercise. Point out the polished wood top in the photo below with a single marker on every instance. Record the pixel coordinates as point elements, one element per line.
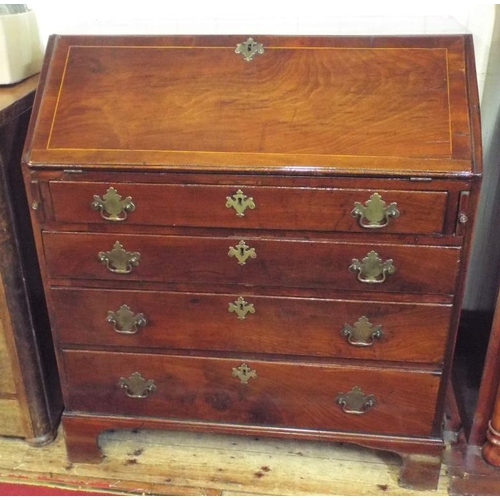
<point>307,104</point>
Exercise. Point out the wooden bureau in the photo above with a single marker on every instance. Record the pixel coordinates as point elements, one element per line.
<point>265,237</point>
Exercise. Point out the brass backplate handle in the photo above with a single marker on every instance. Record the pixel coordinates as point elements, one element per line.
<point>242,252</point>
<point>241,308</point>
<point>118,260</point>
<point>371,269</point>
<point>362,333</point>
<point>244,373</point>
<point>355,401</point>
<point>136,386</point>
<point>249,49</point>
<point>240,202</point>
<point>374,213</point>
<point>112,206</point>
<point>125,321</point>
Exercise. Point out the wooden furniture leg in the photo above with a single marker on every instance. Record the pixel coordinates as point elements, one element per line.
<point>81,438</point>
<point>420,472</point>
<point>491,449</point>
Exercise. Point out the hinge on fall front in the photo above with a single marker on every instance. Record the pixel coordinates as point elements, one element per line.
<point>420,179</point>
<point>72,171</point>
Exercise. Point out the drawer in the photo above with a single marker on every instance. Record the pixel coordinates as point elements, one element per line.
<point>418,212</point>
<point>264,324</point>
<point>258,261</point>
<point>251,392</point>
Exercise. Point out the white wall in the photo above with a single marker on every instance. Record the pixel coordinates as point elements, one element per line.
<point>484,269</point>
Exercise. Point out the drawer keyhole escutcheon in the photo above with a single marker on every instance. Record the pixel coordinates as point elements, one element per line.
<point>244,373</point>
<point>374,213</point>
<point>118,260</point>
<point>240,202</point>
<point>112,206</point>
<point>355,401</point>
<point>242,252</point>
<point>125,321</point>
<point>371,269</point>
<point>362,333</point>
<point>249,49</point>
<point>136,386</point>
<point>241,308</point>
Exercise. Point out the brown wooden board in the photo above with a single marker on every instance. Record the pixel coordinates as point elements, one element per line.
<point>300,326</point>
<point>387,104</point>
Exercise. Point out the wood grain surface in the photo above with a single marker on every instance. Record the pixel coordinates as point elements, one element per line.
<point>290,395</point>
<point>304,208</point>
<point>279,325</point>
<point>419,269</point>
<point>337,100</point>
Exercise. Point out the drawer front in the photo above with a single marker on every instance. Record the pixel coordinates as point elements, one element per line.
<point>258,393</point>
<point>273,325</point>
<point>295,263</point>
<point>410,212</point>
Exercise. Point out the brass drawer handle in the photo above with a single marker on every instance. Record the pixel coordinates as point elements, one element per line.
<point>249,49</point>
<point>371,269</point>
<point>242,252</point>
<point>119,260</point>
<point>375,213</point>
<point>362,333</point>
<point>355,401</point>
<point>111,205</point>
<point>241,308</point>
<point>244,373</point>
<point>240,202</point>
<point>136,386</point>
<point>125,321</point>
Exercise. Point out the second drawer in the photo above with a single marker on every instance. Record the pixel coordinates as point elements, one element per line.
<point>336,265</point>
<point>252,323</point>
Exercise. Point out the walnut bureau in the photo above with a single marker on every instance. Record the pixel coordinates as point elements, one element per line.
<point>263,236</point>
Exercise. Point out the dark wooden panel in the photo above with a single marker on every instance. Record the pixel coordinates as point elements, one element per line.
<point>420,269</point>
<point>23,313</point>
<point>283,394</point>
<point>275,207</point>
<point>308,327</point>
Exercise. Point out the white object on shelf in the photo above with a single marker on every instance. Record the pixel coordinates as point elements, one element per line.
<point>21,53</point>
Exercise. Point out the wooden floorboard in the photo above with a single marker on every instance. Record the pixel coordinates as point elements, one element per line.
<point>179,463</point>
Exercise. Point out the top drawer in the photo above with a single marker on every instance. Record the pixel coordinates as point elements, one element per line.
<point>253,207</point>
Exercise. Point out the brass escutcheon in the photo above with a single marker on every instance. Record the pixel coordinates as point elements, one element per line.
<point>244,373</point>
<point>125,321</point>
<point>249,49</point>
<point>375,214</point>
<point>111,205</point>
<point>240,202</point>
<point>355,401</point>
<point>371,269</point>
<point>242,252</point>
<point>136,386</point>
<point>241,307</point>
<point>362,333</point>
<point>119,260</point>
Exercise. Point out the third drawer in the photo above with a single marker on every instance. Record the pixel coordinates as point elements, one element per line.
<point>252,323</point>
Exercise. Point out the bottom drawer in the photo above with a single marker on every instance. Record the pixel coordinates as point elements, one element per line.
<point>284,394</point>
